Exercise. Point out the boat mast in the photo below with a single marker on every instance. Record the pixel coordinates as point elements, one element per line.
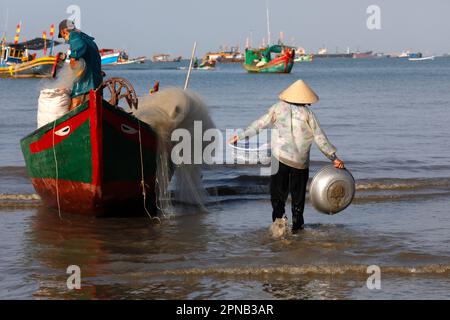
<point>4,35</point>
<point>268,24</point>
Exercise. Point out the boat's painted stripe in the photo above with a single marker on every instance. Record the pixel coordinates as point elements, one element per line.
<point>130,130</point>
<point>55,137</point>
<point>82,198</point>
<point>96,111</point>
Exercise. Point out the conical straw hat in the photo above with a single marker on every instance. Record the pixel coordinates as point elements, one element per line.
<point>299,93</point>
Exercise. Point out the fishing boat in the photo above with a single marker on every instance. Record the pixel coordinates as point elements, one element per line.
<point>206,65</point>
<point>422,59</point>
<point>96,160</point>
<point>270,59</point>
<point>165,58</point>
<point>111,57</point>
<point>17,62</point>
<point>410,55</point>
<point>261,60</point>
<point>324,54</point>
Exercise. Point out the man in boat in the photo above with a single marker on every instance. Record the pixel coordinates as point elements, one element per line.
<point>296,129</point>
<point>82,47</point>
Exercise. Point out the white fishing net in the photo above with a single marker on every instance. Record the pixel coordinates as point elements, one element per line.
<point>165,112</point>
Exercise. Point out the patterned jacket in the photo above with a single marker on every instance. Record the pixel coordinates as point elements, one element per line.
<point>295,129</point>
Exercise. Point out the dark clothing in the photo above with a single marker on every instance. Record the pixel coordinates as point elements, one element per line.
<point>294,181</point>
<point>83,46</point>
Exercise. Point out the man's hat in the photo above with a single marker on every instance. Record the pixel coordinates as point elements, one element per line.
<point>299,93</point>
<point>66,24</point>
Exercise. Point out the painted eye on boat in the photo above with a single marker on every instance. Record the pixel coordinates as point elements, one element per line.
<point>63,132</point>
<point>128,130</point>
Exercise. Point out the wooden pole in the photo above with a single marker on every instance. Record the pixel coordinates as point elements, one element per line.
<point>186,85</point>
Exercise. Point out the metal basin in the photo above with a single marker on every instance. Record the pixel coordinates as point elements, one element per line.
<point>332,190</point>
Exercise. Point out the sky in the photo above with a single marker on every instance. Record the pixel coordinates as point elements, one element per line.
<point>171,26</point>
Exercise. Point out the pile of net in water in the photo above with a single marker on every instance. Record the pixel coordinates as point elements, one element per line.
<point>166,111</point>
<point>54,98</point>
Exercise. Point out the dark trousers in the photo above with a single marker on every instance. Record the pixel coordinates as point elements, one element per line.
<point>294,181</point>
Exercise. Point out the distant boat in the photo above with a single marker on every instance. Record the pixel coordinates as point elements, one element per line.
<point>333,55</point>
<point>206,64</point>
<point>305,58</point>
<point>165,58</point>
<point>323,53</point>
<point>100,147</point>
<point>422,59</point>
<point>17,62</point>
<point>271,59</point>
<point>261,61</point>
<point>411,55</point>
<point>232,56</point>
<point>364,55</point>
<point>111,57</point>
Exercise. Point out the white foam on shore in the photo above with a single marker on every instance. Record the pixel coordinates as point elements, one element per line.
<point>434,269</point>
<point>20,197</point>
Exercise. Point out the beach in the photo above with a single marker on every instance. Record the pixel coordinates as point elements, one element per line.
<point>388,119</point>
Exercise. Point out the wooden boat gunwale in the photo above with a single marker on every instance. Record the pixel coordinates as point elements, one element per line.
<point>286,60</point>
<point>17,70</point>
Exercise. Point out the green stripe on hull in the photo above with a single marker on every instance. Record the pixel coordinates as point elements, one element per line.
<point>73,154</point>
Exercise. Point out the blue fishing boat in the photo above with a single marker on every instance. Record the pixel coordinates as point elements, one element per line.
<point>16,61</point>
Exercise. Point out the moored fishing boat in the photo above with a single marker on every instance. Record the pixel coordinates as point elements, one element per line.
<point>111,57</point>
<point>96,159</point>
<point>364,55</point>
<point>261,61</point>
<point>165,58</point>
<point>17,62</point>
<point>422,59</point>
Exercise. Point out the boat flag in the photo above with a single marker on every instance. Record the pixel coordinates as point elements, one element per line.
<point>44,36</point>
<point>17,37</point>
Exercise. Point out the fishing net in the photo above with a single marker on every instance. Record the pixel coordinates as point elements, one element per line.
<point>167,111</point>
<point>66,76</point>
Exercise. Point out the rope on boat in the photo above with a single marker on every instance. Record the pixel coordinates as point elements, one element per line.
<point>57,172</point>
<point>143,185</point>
